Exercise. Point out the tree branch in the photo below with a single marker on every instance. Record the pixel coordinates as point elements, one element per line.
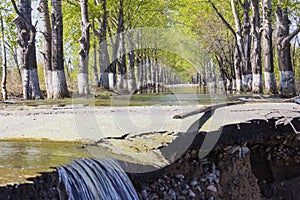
<point>22,17</point>
<point>293,34</point>
<point>222,18</point>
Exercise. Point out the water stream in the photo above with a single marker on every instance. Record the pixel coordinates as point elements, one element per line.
<point>92,179</point>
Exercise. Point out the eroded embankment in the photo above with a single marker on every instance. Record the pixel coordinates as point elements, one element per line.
<point>257,160</point>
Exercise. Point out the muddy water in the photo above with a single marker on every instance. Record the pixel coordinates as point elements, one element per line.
<point>23,159</point>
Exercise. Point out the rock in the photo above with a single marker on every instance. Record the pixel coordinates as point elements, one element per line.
<point>162,188</point>
<point>185,192</point>
<point>194,183</point>
<point>192,194</point>
<point>172,194</point>
<point>244,151</point>
<point>179,176</point>
<point>186,187</point>
<point>199,188</point>
<point>212,188</point>
<point>144,193</point>
<point>233,149</point>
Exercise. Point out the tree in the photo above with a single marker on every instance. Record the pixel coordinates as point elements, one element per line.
<point>256,48</point>
<point>26,41</point>
<point>4,60</point>
<point>59,84</point>
<point>284,37</point>
<point>83,80</point>
<point>46,45</point>
<point>101,34</point>
<point>270,82</point>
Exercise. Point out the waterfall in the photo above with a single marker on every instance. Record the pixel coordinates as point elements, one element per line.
<point>93,179</point>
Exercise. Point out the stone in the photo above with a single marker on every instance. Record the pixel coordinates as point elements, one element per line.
<point>199,188</point>
<point>212,188</point>
<point>172,193</point>
<point>192,194</point>
<point>194,183</point>
<point>179,176</point>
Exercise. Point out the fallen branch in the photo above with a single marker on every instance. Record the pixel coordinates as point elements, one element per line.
<point>205,109</point>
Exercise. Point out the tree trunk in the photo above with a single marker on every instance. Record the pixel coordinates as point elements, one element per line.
<point>46,45</point>
<point>4,61</point>
<point>237,68</point>
<point>26,40</point>
<point>270,82</point>
<point>256,48</point>
<point>96,77</point>
<point>59,83</point>
<point>131,56</point>
<point>246,70</point>
<point>287,80</point>
<point>83,79</point>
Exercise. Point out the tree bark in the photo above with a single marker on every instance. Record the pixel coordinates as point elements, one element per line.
<point>83,79</point>
<point>4,60</point>
<point>237,69</point>
<point>246,37</point>
<point>26,41</point>
<point>131,62</point>
<point>106,78</point>
<point>270,82</point>
<point>287,80</point>
<point>46,45</point>
<point>256,49</point>
<point>96,77</point>
<point>59,83</point>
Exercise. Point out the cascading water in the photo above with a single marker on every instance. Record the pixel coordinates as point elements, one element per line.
<point>93,179</point>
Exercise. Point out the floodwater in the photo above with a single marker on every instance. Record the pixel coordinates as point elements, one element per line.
<point>23,159</point>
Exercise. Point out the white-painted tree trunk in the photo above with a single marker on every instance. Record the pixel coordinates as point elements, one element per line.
<point>269,82</point>
<point>284,37</point>
<point>120,84</point>
<point>287,83</point>
<point>45,24</point>
<point>257,83</point>
<point>59,84</point>
<point>83,84</point>
<point>111,81</point>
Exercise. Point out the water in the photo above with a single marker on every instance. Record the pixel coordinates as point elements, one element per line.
<point>22,159</point>
<point>96,179</point>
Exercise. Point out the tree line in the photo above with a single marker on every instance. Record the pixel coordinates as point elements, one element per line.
<point>246,38</point>
<point>237,41</point>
